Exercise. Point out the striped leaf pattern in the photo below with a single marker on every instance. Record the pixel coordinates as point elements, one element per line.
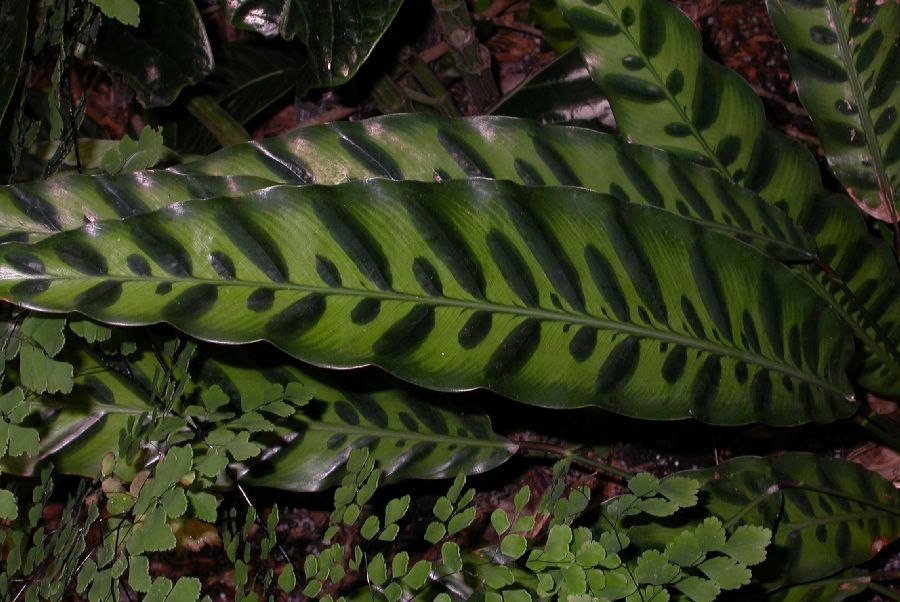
<point>522,152</point>
<point>430,148</point>
<point>865,291</point>
<point>826,515</point>
<point>415,147</point>
<point>646,57</point>
<point>845,59</point>
<point>665,93</point>
<point>559,297</point>
<point>35,210</point>
<point>410,437</point>
<point>410,434</point>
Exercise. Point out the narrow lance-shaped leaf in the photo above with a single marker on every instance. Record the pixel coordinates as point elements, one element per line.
<point>426,148</point>
<point>558,297</point>
<point>647,58</point>
<point>410,433</point>
<point>845,60</point>
<point>429,148</point>
<point>826,515</point>
<point>410,437</point>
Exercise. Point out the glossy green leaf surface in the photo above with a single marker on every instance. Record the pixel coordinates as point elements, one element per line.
<point>558,297</point>
<point>430,149</point>
<point>409,436</point>
<point>339,34</point>
<point>166,52</point>
<point>845,60</point>
<point>35,210</point>
<point>826,515</point>
<point>647,58</point>
<point>560,93</point>
<point>13,35</point>
<point>865,287</point>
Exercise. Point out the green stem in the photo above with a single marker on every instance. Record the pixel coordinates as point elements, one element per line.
<point>217,120</point>
<point>472,59</point>
<point>390,97</point>
<point>425,78</point>
<point>886,431</point>
<point>884,591</point>
<point>563,452</point>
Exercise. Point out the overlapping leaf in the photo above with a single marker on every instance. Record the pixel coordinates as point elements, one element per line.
<point>845,60</point>
<point>836,588</point>
<point>826,515</point>
<point>429,148</point>
<point>410,437</point>
<point>554,296</point>
<point>646,57</point>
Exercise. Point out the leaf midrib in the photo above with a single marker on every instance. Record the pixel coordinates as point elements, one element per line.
<point>442,301</point>
<point>726,229</point>
<point>844,517</point>
<point>330,427</point>
<point>671,98</point>
<point>865,119</point>
<point>880,342</point>
<point>102,409</point>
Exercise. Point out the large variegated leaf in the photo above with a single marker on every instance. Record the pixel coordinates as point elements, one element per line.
<point>409,436</point>
<point>555,296</point>
<point>864,286</point>
<point>826,515</point>
<point>409,433</point>
<point>845,59</point>
<point>431,148</point>
<point>647,58</point>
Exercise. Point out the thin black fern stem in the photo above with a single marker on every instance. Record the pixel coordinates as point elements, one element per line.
<point>562,452</point>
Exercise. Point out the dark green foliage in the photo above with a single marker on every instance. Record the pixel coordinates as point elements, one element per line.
<point>707,274</point>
